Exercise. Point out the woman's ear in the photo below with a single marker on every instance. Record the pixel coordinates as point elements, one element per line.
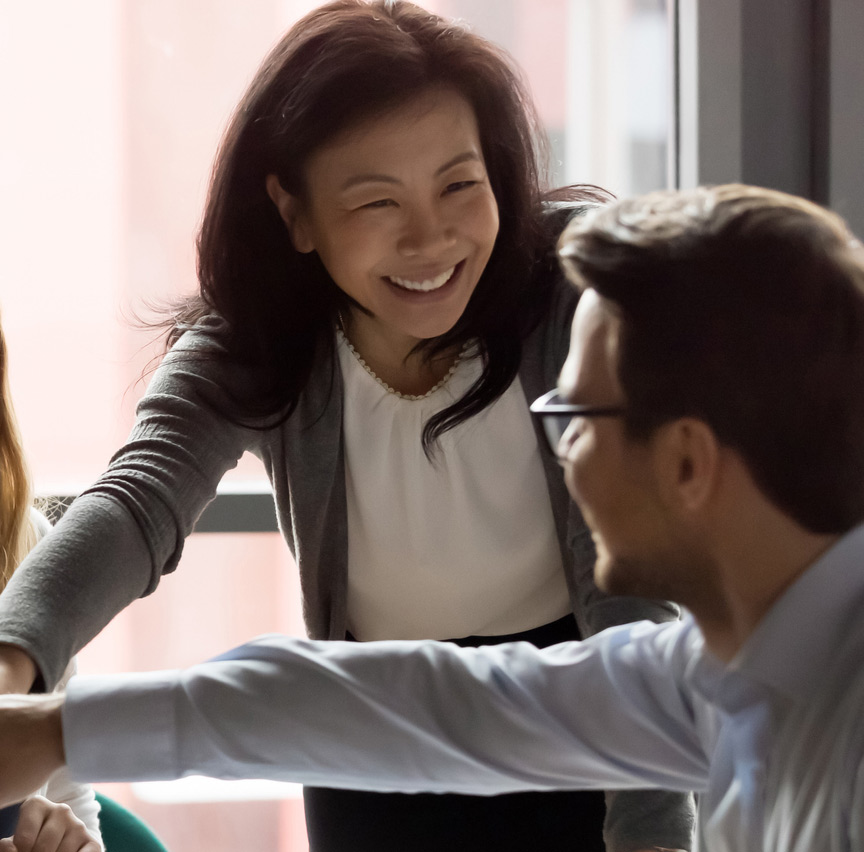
<point>289,209</point>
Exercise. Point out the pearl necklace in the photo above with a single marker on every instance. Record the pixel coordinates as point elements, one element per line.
<point>409,396</point>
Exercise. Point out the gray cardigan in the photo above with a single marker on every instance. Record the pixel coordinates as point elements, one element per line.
<point>128,529</point>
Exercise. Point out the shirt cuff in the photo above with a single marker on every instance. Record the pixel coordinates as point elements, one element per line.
<point>121,727</point>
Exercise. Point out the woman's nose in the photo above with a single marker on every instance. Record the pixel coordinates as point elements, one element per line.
<point>426,233</point>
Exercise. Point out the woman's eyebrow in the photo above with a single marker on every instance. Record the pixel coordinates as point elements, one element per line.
<point>465,157</point>
<point>356,180</point>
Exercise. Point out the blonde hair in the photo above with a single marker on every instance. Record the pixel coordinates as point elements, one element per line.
<point>17,533</point>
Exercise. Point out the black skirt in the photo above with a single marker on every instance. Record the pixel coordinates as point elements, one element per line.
<point>356,821</point>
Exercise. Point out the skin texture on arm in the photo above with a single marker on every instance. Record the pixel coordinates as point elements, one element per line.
<point>17,669</point>
<point>31,744</point>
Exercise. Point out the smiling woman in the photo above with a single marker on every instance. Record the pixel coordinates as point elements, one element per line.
<point>378,298</point>
<point>401,213</point>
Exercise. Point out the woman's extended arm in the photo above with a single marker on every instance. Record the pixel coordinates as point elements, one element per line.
<point>128,529</point>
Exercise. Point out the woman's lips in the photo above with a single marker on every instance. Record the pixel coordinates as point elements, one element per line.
<point>428,285</point>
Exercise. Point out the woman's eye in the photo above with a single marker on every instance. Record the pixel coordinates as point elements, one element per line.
<point>381,202</point>
<point>461,184</point>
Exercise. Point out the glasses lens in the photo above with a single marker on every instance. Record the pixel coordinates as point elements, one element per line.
<point>555,426</point>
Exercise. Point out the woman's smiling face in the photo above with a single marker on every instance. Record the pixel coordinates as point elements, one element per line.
<point>401,213</point>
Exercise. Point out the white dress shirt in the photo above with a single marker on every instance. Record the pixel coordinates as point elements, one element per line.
<point>773,742</point>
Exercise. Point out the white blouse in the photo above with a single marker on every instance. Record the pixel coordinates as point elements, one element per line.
<point>462,546</point>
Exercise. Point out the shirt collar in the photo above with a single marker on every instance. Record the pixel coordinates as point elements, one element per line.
<point>798,639</point>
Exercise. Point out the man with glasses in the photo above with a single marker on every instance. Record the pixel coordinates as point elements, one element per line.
<point>710,421</point>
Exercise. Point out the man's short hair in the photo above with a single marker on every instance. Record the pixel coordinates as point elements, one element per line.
<point>743,307</point>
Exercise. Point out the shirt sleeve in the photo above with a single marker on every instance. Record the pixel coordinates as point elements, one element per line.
<point>609,712</point>
<point>117,540</point>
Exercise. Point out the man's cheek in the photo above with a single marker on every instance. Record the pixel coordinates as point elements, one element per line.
<point>578,483</point>
<point>570,481</point>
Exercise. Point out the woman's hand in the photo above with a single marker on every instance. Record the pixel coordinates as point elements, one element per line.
<point>45,826</point>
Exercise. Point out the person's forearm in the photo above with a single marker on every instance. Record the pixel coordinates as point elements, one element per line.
<point>31,744</point>
<point>17,669</point>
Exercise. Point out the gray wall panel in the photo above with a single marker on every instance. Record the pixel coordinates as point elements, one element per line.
<point>846,135</point>
<point>771,92</point>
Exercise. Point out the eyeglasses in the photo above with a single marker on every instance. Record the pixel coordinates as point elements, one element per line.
<point>553,415</point>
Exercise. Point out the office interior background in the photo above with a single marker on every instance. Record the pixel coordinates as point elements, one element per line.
<point>111,113</point>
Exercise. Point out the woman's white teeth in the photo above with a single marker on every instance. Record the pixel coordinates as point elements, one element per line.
<point>425,286</point>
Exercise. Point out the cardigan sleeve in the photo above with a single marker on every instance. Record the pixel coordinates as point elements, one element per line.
<point>127,530</point>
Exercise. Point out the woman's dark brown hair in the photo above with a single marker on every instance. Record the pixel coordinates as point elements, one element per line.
<point>344,63</point>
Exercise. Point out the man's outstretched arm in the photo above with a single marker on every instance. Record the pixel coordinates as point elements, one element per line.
<point>381,716</point>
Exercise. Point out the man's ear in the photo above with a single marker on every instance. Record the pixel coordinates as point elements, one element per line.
<point>289,209</point>
<point>687,463</point>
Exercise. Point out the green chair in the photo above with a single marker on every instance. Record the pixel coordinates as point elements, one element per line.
<point>122,831</point>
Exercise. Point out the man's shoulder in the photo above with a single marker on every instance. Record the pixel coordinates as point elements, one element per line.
<point>816,770</point>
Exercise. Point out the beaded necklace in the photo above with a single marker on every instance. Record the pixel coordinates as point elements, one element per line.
<point>408,396</point>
